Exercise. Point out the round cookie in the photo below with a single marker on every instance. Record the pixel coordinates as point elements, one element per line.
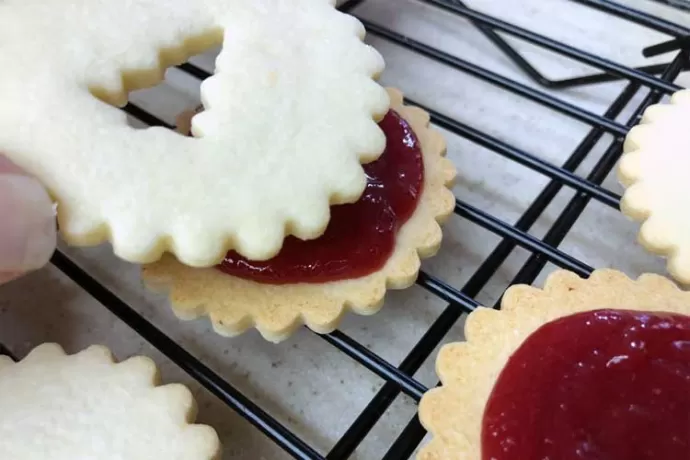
<point>653,171</point>
<point>517,364</point>
<point>85,407</point>
<point>235,304</point>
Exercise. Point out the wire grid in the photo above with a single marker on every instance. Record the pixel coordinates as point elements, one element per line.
<point>460,301</point>
<point>682,4</point>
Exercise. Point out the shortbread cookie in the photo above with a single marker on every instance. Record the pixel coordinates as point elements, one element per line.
<point>583,369</point>
<point>86,407</point>
<point>371,246</point>
<point>290,113</point>
<point>653,169</point>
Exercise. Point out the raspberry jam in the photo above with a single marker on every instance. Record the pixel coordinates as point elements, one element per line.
<point>602,385</point>
<point>361,236</point>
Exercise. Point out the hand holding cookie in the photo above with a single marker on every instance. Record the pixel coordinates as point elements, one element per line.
<point>27,223</point>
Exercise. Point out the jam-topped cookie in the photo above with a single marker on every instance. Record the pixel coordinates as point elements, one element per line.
<point>291,113</point>
<point>581,370</point>
<point>369,246</point>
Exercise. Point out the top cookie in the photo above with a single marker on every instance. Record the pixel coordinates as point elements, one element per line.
<point>290,114</point>
<point>654,171</point>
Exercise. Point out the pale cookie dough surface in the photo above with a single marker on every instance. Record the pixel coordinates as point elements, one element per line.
<point>235,304</point>
<point>453,413</point>
<point>654,169</point>
<point>290,113</point>
<point>86,407</point>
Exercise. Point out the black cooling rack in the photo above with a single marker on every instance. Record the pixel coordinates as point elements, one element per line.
<point>656,80</point>
<point>681,4</point>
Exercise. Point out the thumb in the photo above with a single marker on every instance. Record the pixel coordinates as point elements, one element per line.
<point>28,232</point>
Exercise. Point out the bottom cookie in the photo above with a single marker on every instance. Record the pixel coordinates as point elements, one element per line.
<point>316,282</point>
<point>583,369</point>
<point>86,407</point>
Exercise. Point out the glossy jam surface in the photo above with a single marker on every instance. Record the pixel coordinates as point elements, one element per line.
<point>360,236</point>
<point>603,385</point>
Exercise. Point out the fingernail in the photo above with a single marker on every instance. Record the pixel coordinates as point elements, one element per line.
<point>28,233</point>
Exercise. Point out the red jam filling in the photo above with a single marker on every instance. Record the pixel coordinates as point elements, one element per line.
<point>361,236</point>
<point>602,385</point>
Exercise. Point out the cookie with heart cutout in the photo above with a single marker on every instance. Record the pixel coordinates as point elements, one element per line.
<point>85,406</point>
<point>291,113</point>
<point>583,368</point>
<point>653,171</point>
<point>369,247</point>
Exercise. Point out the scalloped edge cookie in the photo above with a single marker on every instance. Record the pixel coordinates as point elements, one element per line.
<point>468,370</point>
<point>86,405</point>
<point>653,169</point>
<point>291,115</point>
<point>235,305</point>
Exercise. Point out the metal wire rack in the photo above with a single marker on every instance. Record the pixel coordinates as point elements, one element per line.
<point>682,4</point>
<point>656,78</point>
